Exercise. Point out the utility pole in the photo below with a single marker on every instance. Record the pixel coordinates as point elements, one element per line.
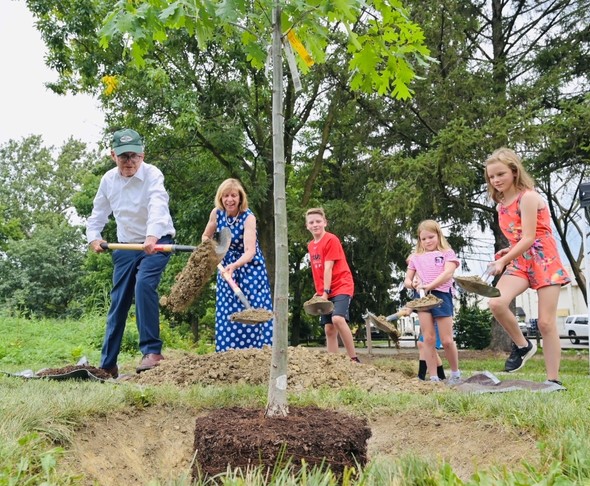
<point>585,205</point>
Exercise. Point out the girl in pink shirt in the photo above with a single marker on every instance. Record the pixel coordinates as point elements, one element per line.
<point>434,262</point>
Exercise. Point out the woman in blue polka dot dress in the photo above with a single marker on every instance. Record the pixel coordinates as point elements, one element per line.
<point>245,263</point>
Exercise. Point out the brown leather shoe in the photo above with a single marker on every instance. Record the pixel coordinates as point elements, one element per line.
<point>113,371</point>
<point>149,361</point>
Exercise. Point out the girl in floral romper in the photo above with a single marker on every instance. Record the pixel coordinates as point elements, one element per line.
<point>531,260</point>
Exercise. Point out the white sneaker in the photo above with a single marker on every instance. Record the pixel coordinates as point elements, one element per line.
<point>454,380</point>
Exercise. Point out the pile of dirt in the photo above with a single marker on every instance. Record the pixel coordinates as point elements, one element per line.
<point>308,369</point>
<point>245,438</point>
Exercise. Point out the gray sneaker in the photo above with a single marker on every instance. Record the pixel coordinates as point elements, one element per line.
<point>519,356</point>
<point>454,380</point>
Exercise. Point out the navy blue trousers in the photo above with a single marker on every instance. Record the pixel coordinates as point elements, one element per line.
<point>135,275</point>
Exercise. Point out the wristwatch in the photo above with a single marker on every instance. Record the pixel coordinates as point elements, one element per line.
<point>328,291</point>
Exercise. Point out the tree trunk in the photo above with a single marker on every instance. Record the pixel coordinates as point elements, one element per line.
<point>277,387</point>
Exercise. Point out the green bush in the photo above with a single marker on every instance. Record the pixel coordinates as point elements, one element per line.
<point>473,327</point>
<point>40,276</point>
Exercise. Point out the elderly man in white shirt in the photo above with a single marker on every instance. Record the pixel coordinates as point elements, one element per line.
<point>133,192</point>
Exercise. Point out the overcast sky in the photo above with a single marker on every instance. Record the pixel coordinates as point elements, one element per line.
<point>26,106</point>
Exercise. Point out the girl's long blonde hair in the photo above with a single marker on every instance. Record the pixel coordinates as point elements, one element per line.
<point>227,186</point>
<point>508,157</point>
<point>432,227</point>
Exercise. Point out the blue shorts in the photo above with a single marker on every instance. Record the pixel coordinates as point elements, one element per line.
<point>438,344</point>
<point>446,308</point>
<point>341,305</point>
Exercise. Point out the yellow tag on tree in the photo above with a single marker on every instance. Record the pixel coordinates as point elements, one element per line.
<point>299,47</point>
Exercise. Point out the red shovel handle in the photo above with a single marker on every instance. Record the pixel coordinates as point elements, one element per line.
<point>234,286</point>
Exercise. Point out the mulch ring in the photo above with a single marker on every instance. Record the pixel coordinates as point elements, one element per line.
<point>245,438</point>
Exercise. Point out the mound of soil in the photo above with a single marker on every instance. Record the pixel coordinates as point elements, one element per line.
<point>308,369</point>
<point>245,438</point>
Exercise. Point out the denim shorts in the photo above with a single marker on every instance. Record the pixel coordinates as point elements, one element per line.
<point>446,308</point>
<point>341,305</point>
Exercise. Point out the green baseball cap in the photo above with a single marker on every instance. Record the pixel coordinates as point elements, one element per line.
<point>127,140</point>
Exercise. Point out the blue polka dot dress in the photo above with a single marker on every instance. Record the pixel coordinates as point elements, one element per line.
<point>252,279</point>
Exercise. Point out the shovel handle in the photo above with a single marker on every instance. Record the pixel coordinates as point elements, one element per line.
<point>234,286</point>
<point>139,246</point>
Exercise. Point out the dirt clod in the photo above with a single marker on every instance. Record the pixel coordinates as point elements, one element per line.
<point>193,277</point>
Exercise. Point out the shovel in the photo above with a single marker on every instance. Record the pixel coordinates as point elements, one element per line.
<point>234,286</point>
<point>249,315</point>
<point>418,306</point>
<point>222,239</point>
<point>197,272</point>
<point>478,285</point>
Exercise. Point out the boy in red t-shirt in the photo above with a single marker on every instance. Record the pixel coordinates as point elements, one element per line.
<point>332,279</point>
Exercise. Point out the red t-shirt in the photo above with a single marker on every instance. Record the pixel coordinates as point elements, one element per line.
<point>329,248</point>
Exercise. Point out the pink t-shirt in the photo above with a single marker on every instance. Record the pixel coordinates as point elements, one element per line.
<point>431,264</point>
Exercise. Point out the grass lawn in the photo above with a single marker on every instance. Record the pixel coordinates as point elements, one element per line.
<point>39,419</point>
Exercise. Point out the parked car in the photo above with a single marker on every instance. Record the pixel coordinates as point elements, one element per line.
<point>523,328</point>
<point>576,327</point>
<point>532,328</point>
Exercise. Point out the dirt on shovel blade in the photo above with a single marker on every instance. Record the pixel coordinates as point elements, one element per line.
<point>252,316</point>
<point>424,303</point>
<point>382,323</point>
<point>193,278</point>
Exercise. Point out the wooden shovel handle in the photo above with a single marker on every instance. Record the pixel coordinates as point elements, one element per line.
<point>139,246</point>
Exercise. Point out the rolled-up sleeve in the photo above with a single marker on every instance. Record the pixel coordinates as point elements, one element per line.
<point>158,220</point>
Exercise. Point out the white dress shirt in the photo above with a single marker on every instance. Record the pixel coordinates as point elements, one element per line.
<point>138,203</point>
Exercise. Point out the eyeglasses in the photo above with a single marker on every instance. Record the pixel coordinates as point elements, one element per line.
<point>126,157</point>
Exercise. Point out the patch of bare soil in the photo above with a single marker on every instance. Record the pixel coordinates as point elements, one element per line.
<point>158,443</point>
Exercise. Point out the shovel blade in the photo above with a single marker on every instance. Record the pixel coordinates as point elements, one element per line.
<point>222,240</point>
<point>478,288</point>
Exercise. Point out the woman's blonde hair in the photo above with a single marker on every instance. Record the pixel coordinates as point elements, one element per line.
<point>231,185</point>
<point>432,227</point>
<point>508,157</point>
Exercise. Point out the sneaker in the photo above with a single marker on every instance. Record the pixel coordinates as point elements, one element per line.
<point>454,380</point>
<point>149,361</point>
<point>519,356</point>
<point>553,382</point>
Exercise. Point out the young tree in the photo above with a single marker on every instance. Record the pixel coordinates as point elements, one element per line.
<point>381,41</point>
